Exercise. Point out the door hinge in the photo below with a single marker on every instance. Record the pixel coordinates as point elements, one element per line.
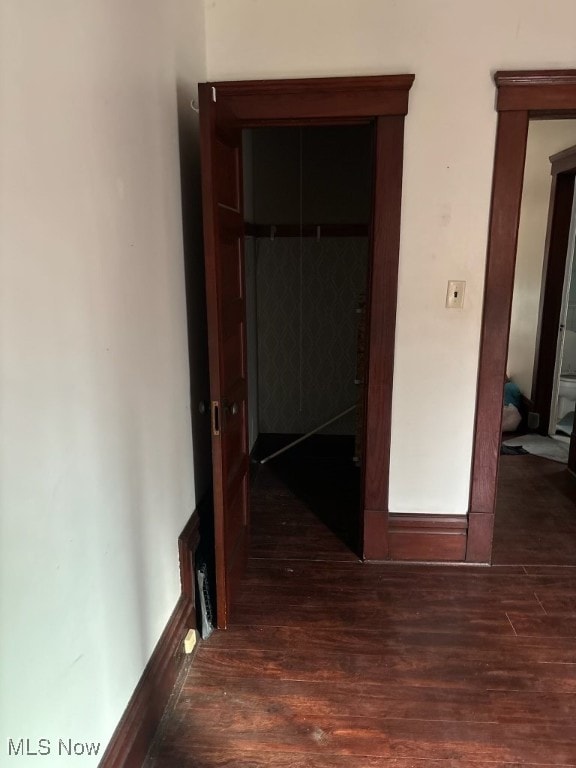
<point>213,94</point>
<point>215,416</point>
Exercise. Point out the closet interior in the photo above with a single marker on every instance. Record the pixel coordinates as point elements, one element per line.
<point>308,203</point>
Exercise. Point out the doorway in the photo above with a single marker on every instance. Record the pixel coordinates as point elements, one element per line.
<point>555,361</point>
<point>534,522</point>
<point>308,207</point>
<point>521,96</point>
<point>226,109</point>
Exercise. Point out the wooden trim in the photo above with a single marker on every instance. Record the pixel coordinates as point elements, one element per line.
<point>383,291</point>
<point>534,78</point>
<point>325,85</point>
<point>426,538</point>
<point>382,101</point>
<point>133,735</point>
<point>503,234</point>
<point>521,95</point>
<point>375,535</point>
<point>307,230</point>
<point>257,102</point>
<point>540,93</point>
<point>480,533</point>
<point>563,161</point>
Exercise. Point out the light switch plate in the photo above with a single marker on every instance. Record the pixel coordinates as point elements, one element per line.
<point>455,294</point>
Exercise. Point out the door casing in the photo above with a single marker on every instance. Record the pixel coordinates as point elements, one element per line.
<point>521,95</point>
<point>383,101</point>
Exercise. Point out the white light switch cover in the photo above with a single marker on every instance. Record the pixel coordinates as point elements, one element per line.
<point>455,294</point>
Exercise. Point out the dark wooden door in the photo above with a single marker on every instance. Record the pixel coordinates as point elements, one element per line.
<point>221,155</point>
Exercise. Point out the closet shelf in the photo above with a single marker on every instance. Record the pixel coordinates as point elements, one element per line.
<point>307,230</point>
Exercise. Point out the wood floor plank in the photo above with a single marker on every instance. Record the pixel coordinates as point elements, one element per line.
<point>458,670</point>
<point>392,701</point>
<point>180,756</point>
<point>535,522</point>
<point>266,546</point>
<point>390,597</point>
<point>389,738</point>
<point>557,601</point>
<point>389,642</point>
<point>550,625</point>
<point>347,575</point>
<point>491,621</point>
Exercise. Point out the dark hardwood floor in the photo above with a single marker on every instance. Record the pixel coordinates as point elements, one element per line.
<point>535,520</point>
<point>330,663</point>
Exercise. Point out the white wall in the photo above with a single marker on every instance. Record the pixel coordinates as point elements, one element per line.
<point>453,47</point>
<point>96,460</point>
<point>545,138</point>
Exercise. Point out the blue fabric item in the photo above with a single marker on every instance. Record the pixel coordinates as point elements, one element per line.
<point>512,394</point>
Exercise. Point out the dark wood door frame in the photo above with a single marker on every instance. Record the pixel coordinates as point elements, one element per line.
<point>563,170</point>
<point>382,101</point>
<point>521,96</point>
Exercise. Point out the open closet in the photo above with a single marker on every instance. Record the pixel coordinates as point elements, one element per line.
<point>343,185</point>
<point>307,206</point>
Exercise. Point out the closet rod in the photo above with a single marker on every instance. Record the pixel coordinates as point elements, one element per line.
<point>307,435</point>
<point>308,230</point>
